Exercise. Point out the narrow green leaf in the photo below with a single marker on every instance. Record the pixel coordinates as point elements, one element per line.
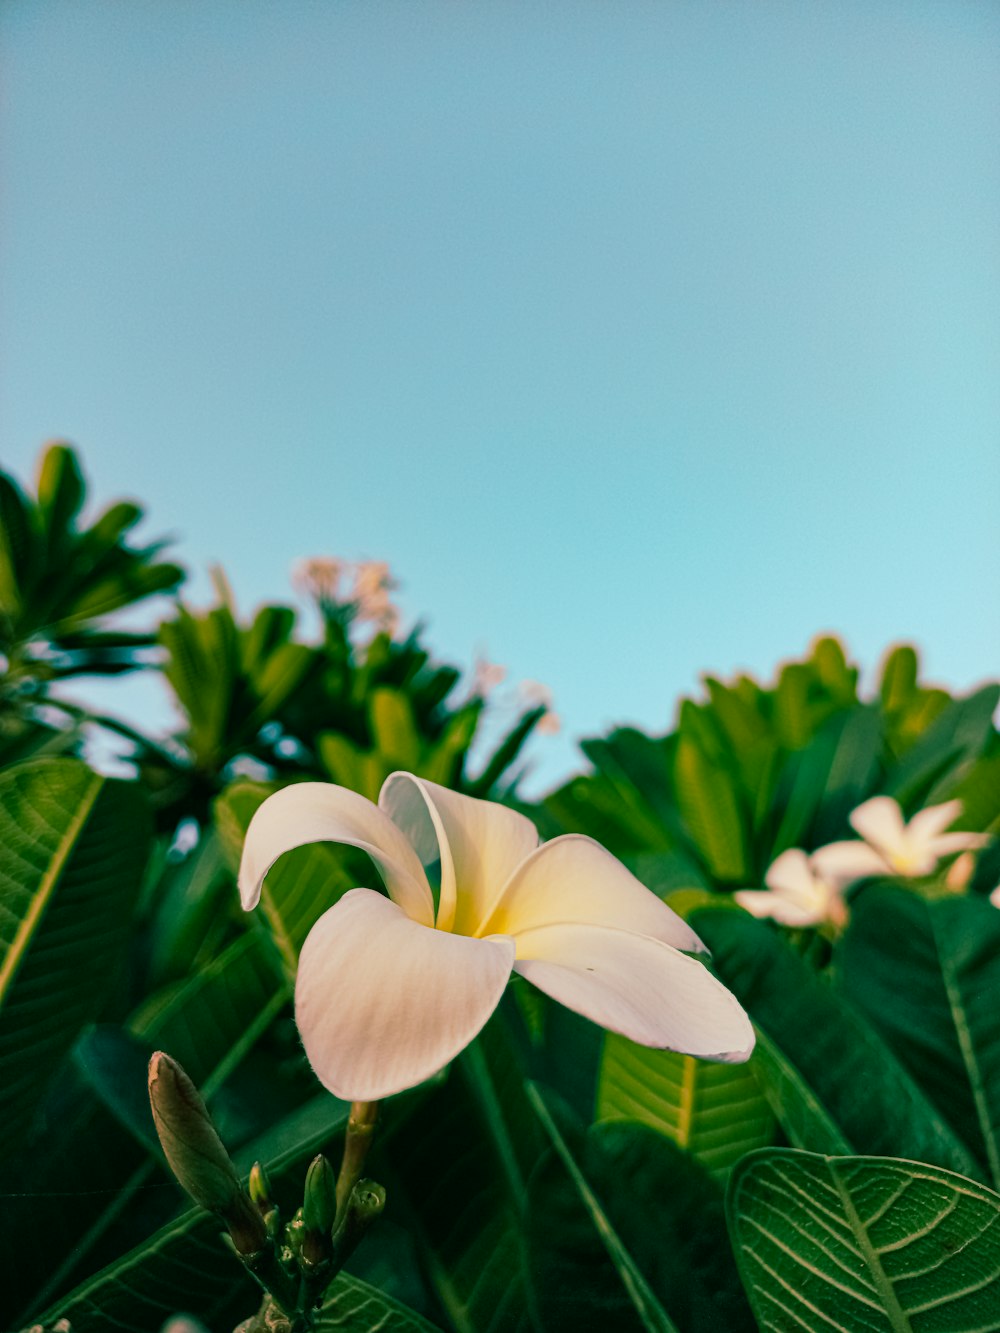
<point>852,1243</point>
<point>706,797</point>
<point>642,1302</point>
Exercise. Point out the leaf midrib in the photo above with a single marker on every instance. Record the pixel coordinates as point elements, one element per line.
<point>956,1004</point>
<point>32,919</point>
<point>887,1291</point>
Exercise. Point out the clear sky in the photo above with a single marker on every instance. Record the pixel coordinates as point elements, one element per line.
<point>641,338</point>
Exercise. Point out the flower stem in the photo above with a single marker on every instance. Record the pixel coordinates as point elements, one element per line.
<point>357,1141</point>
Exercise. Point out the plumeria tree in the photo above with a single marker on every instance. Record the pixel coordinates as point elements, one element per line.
<point>708,1038</point>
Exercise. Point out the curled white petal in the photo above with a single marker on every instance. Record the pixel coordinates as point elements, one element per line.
<point>322,812</point>
<point>382,1003</point>
<point>481,843</point>
<point>637,986</point>
<point>573,879</point>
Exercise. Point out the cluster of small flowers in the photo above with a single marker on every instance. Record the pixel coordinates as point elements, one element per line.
<point>487,676</point>
<point>808,890</point>
<point>363,584</point>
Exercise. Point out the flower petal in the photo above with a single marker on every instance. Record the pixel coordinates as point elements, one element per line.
<point>383,1003</point>
<point>573,879</point>
<point>637,986</point>
<point>843,862</point>
<point>927,824</point>
<point>788,909</point>
<point>791,874</point>
<point>880,822</point>
<point>481,843</point>
<point>322,812</point>
<point>946,843</point>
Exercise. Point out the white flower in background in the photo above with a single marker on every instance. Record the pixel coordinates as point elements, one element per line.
<point>549,725</point>
<point>796,894</point>
<point>487,676</point>
<point>995,896</point>
<point>891,846</point>
<point>390,989</point>
<point>318,576</point>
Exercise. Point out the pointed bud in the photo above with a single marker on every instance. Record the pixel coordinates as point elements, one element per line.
<point>319,1204</point>
<point>196,1154</point>
<point>260,1188</point>
<point>319,1208</point>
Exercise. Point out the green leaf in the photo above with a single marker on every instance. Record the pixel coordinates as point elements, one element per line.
<point>61,489</point>
<point>852,1243</point>
<point>632,1304</point>
<point>393,728</point>
<point>927,973</point>
<point>716,1112</point>
<point>72,849</point>
<point>667,1214</point>
<point>798,1109</point>
<point>707,799</point>
<point>938,761</point>
<point>463,1192</point>
<point>863,1089</point>
<point>898,681</point>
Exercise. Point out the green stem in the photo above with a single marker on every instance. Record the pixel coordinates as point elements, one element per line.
<point>357,1141</point>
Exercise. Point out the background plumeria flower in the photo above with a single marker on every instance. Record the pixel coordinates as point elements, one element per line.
<point>893,847</point>
<point>487,676</point>
<point>995,896</point>
<point>535,695</point>
<point>796,894</point>
<point>318,576</point>
<point>390,989</point>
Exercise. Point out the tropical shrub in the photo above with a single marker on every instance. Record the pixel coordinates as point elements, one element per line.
<point>554,1176</point>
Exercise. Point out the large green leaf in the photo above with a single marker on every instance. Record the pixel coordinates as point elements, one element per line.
<point>72,849</point>
<point>716,1112</point>
<point>927,973</point>
<point>864,1243</point>
<point>862,1088</point>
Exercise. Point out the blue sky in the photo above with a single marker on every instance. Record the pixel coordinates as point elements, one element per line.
<point>642,339</point>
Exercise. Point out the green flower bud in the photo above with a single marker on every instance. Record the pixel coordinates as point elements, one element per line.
<point>319,1204</point>
<point>196,1154</point>
<point>260,1188</point>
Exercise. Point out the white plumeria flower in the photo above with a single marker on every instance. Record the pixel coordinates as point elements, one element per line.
<point>796,895</point>
<point>390,989</point>
<point>995,896</point>
<point>893,847</point>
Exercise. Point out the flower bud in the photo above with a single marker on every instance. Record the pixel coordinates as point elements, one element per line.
<point>260,1188</point>
<point>196,1154</point>
<point>319,1209</point>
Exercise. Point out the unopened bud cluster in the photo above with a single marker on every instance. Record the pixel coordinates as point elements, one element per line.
<point>294,1261</point>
